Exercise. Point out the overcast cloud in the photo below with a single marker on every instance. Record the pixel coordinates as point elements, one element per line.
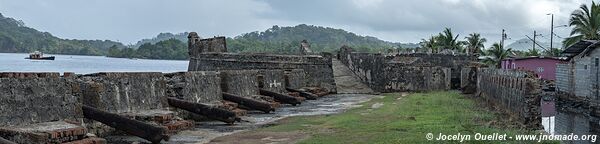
<point>393,20</point>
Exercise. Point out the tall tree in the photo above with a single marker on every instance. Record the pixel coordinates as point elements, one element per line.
<point>447,40</point>
<point>586,24</point>
<point>430,44</point>
<point>474,43</point>
<point>496,54</point>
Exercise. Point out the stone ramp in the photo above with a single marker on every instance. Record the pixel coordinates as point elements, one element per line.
<point>346,81</point>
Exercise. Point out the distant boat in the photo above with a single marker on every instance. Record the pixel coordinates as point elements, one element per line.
<point>36,55</point>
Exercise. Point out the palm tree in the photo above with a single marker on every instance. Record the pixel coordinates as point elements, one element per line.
<point>447,40</point>
<point>474,43</point>
<point>497,53</point>
<point>586,24</point>
<point>553,52</point>
<point>532,52</point>
<point>430,44</point>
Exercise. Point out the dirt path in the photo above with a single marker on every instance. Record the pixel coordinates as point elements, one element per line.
<point>260,137</point>
<point>346,81</point>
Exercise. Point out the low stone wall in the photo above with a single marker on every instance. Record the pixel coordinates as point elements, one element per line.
<point>27,98</point>
<point>124,92</point>
<point>197,86</point>
<point>406,72</point>
<point>411,78</point>
<point>318,70</point>
<point>239,82</point>
<point>514,91</point>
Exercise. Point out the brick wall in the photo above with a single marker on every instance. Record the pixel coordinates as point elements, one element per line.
<point>564,78</point>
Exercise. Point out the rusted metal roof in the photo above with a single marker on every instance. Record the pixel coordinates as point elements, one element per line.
<point>579,47</point>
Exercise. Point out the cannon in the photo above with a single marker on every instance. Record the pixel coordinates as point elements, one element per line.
<point>210,112</point>
<point>248,102</point>
<point>152,133</point>
<point>304,94</point>
<point>5,141</point>
<point>282,97</point>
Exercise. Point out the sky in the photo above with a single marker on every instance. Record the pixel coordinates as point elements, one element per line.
<point>128,21</point>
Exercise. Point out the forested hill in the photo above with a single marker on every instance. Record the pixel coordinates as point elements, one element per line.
<point>15,37</point>
<point>163,37</point>
<point>322,39</point>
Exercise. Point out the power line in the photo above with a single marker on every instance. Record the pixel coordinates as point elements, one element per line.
<point>536,43</point>
<point>558,36</point>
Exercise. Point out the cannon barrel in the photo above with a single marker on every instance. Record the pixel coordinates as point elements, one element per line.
<point>304,94</point>
<point>248,102</point>
<point>210,112</point>
<point>143,130</point>
<point>281,97</point>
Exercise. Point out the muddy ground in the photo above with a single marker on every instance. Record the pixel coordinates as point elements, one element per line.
<point>204,132</point>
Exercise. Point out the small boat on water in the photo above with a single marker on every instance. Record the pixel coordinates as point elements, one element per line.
<point>39,56</point>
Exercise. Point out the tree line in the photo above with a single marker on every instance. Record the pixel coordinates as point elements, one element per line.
<point>167,49</point>
<point>15,37</point>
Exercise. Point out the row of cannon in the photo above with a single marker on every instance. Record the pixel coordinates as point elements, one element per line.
<point>50,108</point>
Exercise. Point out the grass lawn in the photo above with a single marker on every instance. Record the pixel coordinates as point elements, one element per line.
<point>399,120</point>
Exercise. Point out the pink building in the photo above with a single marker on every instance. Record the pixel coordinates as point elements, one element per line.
<point>544,67</point>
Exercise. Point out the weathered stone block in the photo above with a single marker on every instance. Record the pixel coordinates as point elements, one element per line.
<point>295,78</point>
<point>239,82</point>
<point>37,99</point>
<point>272,80</point>
<point>196,86</point>
<point>122,92</point>
<point>468,80</point>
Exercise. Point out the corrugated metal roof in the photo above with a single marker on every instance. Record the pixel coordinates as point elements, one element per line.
<point>538,57</point>
<point>579,47</point>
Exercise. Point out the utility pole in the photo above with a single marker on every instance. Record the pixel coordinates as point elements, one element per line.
<point>551,32</point>
<point>534,42</point>
<point>502,39</point>
<point>534,34</point>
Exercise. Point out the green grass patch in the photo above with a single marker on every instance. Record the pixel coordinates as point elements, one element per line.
<point>400,120</point>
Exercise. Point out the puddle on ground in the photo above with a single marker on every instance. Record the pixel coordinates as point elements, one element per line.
<point>206,131</point>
